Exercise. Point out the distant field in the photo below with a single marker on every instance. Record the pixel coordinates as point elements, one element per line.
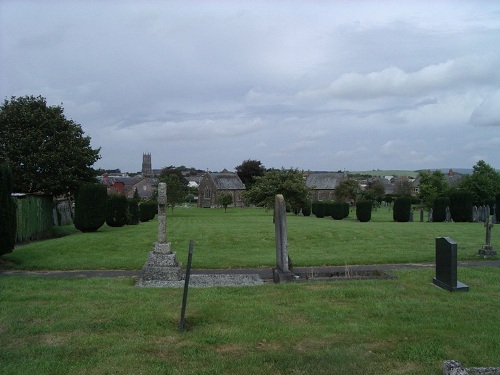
<point>382,173</point>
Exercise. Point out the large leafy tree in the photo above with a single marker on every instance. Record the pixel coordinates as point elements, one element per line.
<point>176,185</point>
<point>483,183</point>
<point>347,190</point>
<point>249,170</point>
<point>45,151</point>
<point>432,185</point>
<point>288,182</point>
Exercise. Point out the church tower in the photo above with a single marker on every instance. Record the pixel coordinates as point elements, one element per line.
<point>147,169</point>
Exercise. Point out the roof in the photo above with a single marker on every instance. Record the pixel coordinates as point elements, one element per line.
<point>227,181</point>
<point>324,180</point>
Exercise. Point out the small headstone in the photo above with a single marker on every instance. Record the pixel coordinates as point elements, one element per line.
<point>421,215</point>
<point>487,249</point>
<point>448,214</point>
<point>474,214</point>
<point>446,265</point>
<point>429,217</point>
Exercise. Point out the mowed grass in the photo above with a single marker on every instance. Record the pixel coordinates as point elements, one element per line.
<point>244,237</point>
<point>103,326</point>
<point>107,325</point>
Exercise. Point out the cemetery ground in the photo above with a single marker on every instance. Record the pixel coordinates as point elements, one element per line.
<point>392,326</point>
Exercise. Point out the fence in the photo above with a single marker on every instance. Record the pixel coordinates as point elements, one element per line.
<point>34,217</point>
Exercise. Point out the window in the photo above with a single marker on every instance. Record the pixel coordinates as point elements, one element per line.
<point>208,193</point>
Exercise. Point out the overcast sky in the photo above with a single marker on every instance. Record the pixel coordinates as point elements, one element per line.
<point>319,85</point>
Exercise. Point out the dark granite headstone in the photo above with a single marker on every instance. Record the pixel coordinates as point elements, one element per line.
<point>446,265</point>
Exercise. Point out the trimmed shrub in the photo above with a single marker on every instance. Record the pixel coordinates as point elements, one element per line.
<point>497,202</point>
<point>147,210</point>
<point>7,212</point>
<point>439,209</point>
<point>117,210</point>
<point>338,210</point>
<point>320,210</point>
<point>90,207</point>
<point>346,209</point>
<point>306,211</point>
<point>402,209</point>
<point>133,212</point>
<point>364,210</point>
<point>461,203</point>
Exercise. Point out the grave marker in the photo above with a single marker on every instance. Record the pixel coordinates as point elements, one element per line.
<point>487,249</point>
<point>282,270</point>
<point>446,265</point>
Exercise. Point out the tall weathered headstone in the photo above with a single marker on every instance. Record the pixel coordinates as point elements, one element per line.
<point>487,249</point>
<point>161,264</point>
<point>282,271</point>
<point>446,265</point>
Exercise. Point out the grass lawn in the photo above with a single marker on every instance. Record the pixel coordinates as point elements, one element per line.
<point>245,238</point>
<point>104,326</point>
<point>101,326</point>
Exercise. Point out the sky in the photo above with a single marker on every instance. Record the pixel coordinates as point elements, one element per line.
<point>313,85</point>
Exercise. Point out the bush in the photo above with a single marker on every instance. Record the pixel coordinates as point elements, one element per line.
<point>364,210</point>
<point>7,212</point>
<point>117,210</point>
<point>439,209</point>
<point>133,212</point>
<point>147,210</point>
<point>461,203</point>
<point>306,211</point>
<point>402,209</point>
<point>320,210</point>
<point>346,209</point>
<point>338,210</point>
<point>90,207</point>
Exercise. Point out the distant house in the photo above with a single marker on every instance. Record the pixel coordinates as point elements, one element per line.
<point>127,185</point>
<point>322,185</point>
<point>212,185</point>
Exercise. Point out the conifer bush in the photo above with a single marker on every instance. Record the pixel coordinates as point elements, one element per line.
<point>117,210</point>
<point>439,209</point>
<point>90,207</point>
<point>147,210</point>
<point>402,209</point>
<point>338,210</point>
<point>7,212</point>
<point>320,210</point>
<point>461,203</point>
<point>306,210</point>
<point>364,210</point>
<point>346,209</point>
<point>133,212</point>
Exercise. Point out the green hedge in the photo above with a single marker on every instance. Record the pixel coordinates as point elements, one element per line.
<point>364,210</point>
<point>7,212</point>
<point>402,209</point>
<point>117,210</point>
<point>148,210</point>
<point>439,209</point>
<point>338,210</point>
<point>461,203</point>
<point>133,212</point>
<point>90,207</point>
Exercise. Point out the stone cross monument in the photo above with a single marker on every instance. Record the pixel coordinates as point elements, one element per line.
<point>161,264</point>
